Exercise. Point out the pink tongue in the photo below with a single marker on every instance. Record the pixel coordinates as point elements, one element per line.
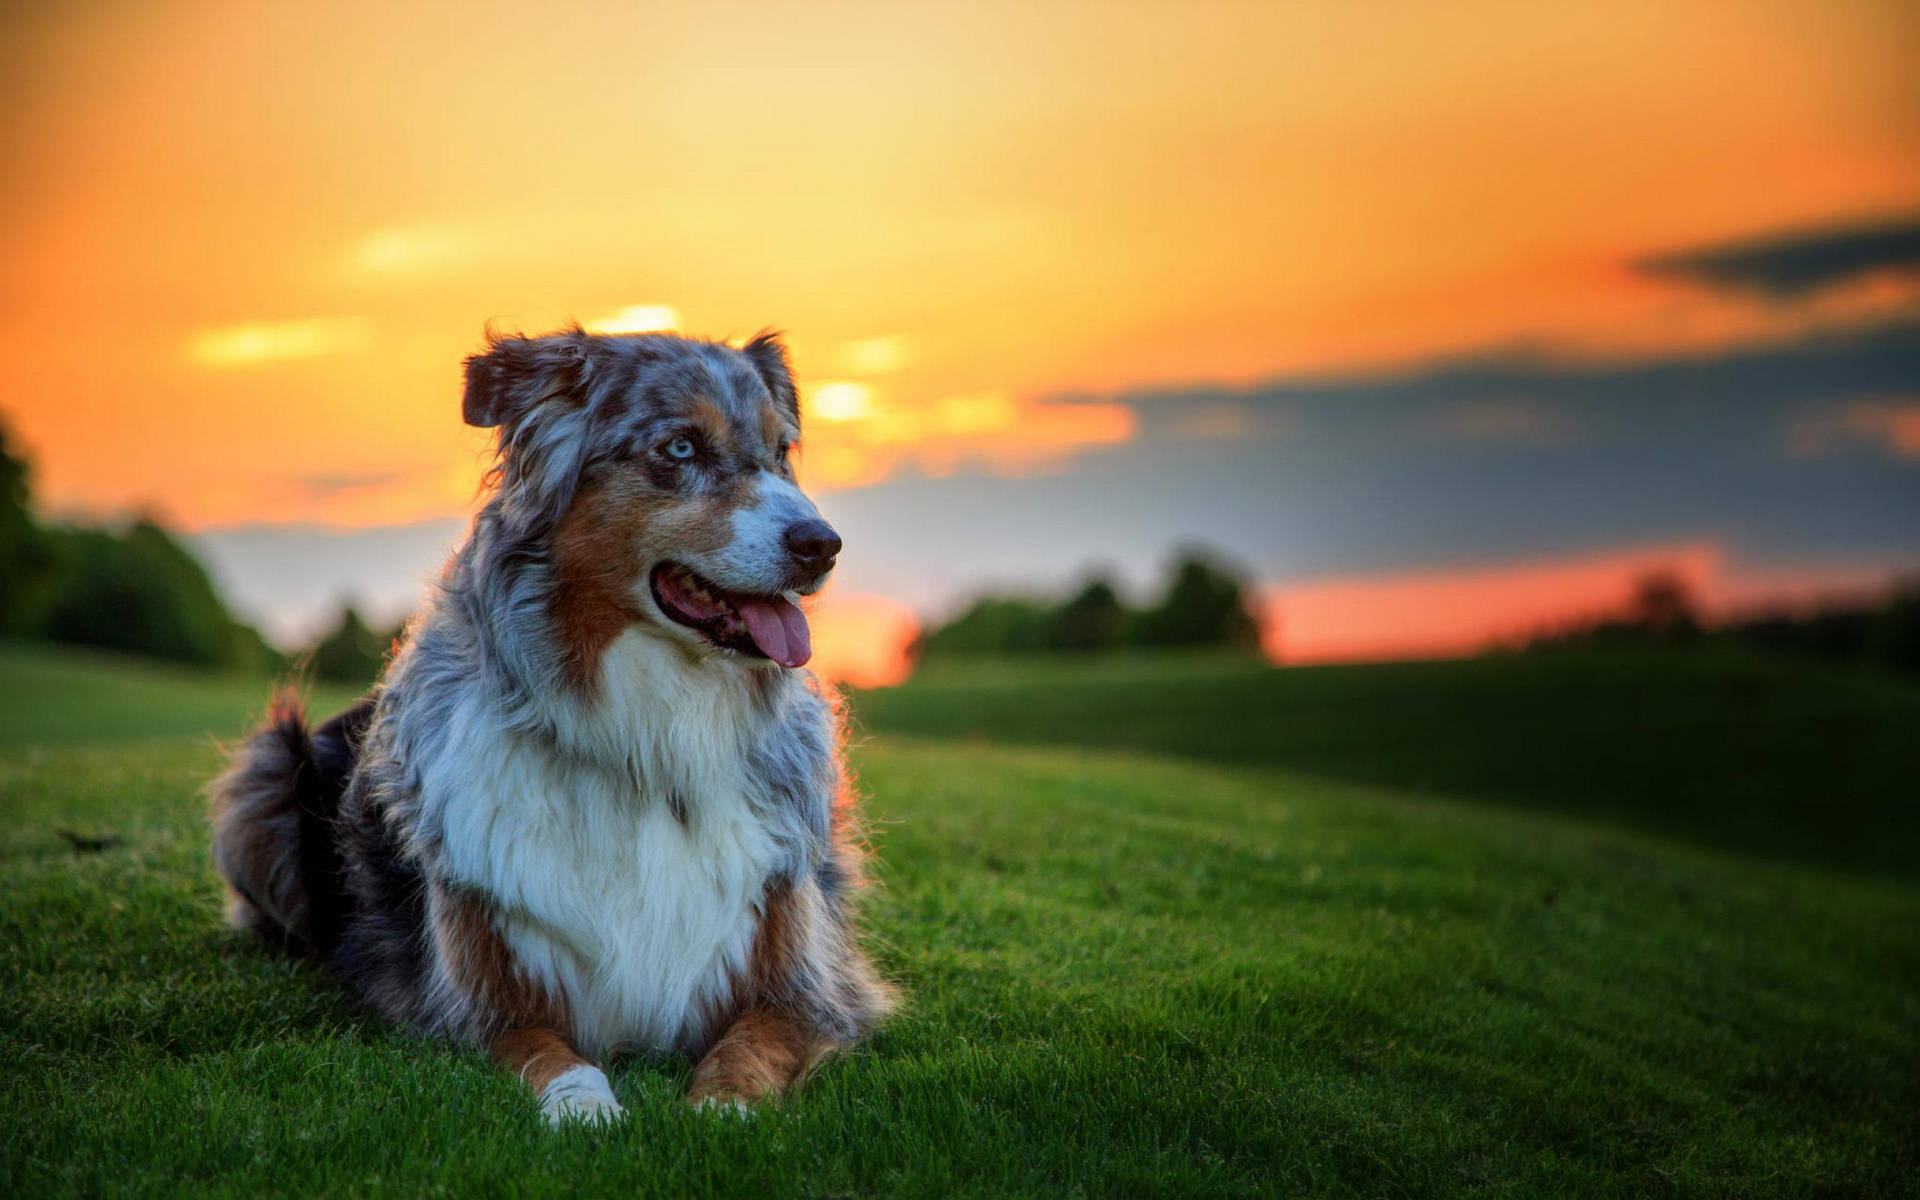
<point>778,628</point>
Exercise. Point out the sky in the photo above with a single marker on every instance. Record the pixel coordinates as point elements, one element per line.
<point>1441,321</point>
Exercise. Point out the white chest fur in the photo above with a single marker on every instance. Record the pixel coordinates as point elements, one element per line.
<point>626,872</point>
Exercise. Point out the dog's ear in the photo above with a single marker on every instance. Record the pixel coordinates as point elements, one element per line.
<point>768,354</point>
<point>479,404</point>
<point>517,373</point>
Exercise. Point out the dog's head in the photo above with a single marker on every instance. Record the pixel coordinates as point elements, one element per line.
<point>657,469</point>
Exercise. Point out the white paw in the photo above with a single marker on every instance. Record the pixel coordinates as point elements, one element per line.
<point>726,1106</point>
<point>580,1094</point>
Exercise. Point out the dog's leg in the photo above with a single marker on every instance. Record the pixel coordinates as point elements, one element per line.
<point>761,1055</point>
<point>569,1087</point>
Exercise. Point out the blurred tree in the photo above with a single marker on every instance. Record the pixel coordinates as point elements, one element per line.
<point>1893,639</point>
<point>991,625</point>
<point>140,591</point>
<point>1204,605</point>
<point>1092,620</point>
<point>351,652</point>
<point>29,562</point>
<point>1663,605</point>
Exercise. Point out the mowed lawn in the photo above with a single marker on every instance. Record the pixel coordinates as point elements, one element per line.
<point>1799,760</point>
<point>1128,974</point>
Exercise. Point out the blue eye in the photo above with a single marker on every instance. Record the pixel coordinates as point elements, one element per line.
<point>681,448</point>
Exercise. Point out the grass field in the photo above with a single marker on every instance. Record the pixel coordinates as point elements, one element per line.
<point>1797,760</point>
<point>1129,973</point>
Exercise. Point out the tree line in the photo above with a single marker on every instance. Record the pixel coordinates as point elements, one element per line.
<point>1202,603</point>
<point>134,589</point>
<point>1882,631</point>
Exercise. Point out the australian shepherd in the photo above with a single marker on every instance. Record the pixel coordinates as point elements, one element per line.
<point>596,803</point>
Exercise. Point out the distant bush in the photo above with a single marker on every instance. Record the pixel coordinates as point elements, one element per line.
<point>352,652</point>
<point>1091,620</point>
<point>992,624</point>
<point>1203,604</point>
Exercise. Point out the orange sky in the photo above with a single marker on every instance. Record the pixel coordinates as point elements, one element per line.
<point>1453,613</point>
<point>248,245</point>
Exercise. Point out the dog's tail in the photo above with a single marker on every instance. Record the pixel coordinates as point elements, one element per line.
<point>273,814</point>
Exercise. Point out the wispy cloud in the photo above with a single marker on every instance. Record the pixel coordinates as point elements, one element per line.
<point>1791,265</point>
<point>325,485</point>
<point>264,342</point>
<point>875,436</point>
<point>1820,387</point>
<point>409,250</point>
<point>1892,425</point>
<point>876,355</point>
<point>636,318</point>
<point>1501,419</point>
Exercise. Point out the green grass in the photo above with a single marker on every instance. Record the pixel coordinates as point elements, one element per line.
<point>57,697</point>
<point>1128,975</point>
<point>1796,760</point>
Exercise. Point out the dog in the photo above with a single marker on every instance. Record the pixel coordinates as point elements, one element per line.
<point>596,803</point>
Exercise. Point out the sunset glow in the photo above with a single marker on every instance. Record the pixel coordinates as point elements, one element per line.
<point>839,402</point>
<point>636,318</point>
<point>1454,613</point>
<point>249,247</point>
<point>862,640</point>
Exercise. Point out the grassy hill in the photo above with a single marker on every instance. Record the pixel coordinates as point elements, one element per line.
<point>1129,974</point>
<point>1797,760</point>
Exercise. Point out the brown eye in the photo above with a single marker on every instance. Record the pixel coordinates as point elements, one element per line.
<point>786,448</point>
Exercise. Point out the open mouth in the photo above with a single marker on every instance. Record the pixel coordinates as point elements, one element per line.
<point>764,626</point>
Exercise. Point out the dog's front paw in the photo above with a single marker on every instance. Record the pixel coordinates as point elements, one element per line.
<point>727,1104</point>
<point>580,1094</point>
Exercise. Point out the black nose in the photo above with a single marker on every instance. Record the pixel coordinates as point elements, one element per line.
<point>812,544</point>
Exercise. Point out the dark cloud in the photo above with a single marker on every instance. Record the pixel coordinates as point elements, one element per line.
<point>1744,397</point>
<point>1496,457</point>
<point>1788,266</point>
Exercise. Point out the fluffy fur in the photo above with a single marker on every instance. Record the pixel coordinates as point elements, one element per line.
<point>567,822</point>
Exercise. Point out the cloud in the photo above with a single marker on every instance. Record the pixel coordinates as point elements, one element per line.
<point>636,318</point>
<point>839,401</point>
<point>876,355</point>
<point>1500,419</point>
<point>1892,424</point>
<point>273,341</point>
<point>861,435</point>
<point>1506,456</point>
<point>327,484</point>
<point>403,251</point>
<point>1746,398</point>
<point>1895,424</point>
<point>1789,266</point>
